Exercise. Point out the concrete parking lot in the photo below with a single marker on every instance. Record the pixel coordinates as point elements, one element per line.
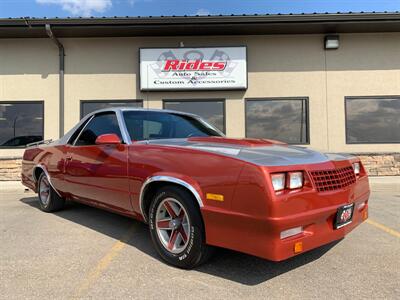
<point>83,252</point>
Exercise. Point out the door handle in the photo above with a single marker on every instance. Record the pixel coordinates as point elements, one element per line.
<point>68,157</point>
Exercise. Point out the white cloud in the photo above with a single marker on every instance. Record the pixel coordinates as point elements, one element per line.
<point>83,8</point>
<point>202,12</point>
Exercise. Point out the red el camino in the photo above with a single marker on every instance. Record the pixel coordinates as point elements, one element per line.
<point>197,188</point>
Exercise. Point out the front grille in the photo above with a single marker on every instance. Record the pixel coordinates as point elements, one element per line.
<point>330,180</point>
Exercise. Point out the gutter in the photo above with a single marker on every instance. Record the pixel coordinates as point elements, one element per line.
<point>163,21</point>
<point>203,25</point>
<point>61,52</point>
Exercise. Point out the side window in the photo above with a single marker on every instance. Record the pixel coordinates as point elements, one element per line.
<point>77,132</point>
<point>100,124</point>
<point>140,127</point>
<point>152,129</point>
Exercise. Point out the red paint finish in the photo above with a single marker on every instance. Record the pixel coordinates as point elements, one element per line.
<point>108,139</point>
<point>98,174</point>
<point>110,175</point>
<point>259,215</point>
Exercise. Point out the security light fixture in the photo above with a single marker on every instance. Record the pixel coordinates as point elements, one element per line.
<point>331,42</point>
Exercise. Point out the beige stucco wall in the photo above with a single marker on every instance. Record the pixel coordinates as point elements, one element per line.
<point>279,66</point>
<point>29,71</point>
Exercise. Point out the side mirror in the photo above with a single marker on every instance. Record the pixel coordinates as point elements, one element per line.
<point>108,139</point>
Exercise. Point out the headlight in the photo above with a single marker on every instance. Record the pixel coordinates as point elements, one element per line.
<point>295,180</point>
<point>356,168</point>
<point>278,181</point>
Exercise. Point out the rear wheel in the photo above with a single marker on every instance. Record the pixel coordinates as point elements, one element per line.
<point>49,200</point>
<point>176,228</point>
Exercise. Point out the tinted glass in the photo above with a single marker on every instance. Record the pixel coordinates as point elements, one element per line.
<point>20,123</point>
<point>91,106</point>
<point>283,120</point>
<point>149,125</point>
<point>373,120</point>
<point>100,124</point>
<point>211,111</point>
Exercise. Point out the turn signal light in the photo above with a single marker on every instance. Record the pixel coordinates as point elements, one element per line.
<point>298,247</point>
<point>365,215</point>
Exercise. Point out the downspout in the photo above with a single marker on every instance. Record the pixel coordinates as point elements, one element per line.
<point>61,77</point>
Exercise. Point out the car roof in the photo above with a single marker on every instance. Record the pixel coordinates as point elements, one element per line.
<point>64,139</point>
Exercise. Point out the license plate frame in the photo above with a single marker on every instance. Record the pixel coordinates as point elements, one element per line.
<point>345,211</point>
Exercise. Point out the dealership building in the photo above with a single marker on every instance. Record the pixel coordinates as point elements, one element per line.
<point>326,81</point>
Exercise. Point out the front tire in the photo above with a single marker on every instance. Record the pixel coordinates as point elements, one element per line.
<point>177,229</point>
<point>49,200</point>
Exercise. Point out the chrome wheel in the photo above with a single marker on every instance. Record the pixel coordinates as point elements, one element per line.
<point>44,191</point>
<point>172,225</point>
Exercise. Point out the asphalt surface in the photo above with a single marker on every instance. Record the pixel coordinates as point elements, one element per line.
<point>83,252</point>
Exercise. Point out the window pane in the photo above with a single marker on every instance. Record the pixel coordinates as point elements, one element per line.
<point>282,120</point>
<point>373,120</point>
<point>20,123</point>
<point>91,106</point>
<point>100,124</point>
<point>150,125</point>
<point>211,111</point>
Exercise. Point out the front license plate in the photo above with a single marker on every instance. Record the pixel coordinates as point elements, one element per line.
<point>344,216</point>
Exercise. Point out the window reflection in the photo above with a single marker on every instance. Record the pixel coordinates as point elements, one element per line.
<point>20,123</point>
<point>371,120</point>
<point>280,119</point>
<point>213,111</point>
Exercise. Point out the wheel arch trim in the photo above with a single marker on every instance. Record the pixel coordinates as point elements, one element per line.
<point>43,168</point>
<point>163,178</point>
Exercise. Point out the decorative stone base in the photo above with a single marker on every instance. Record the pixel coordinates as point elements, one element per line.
<point>382,164</point>
<point>10,169</point>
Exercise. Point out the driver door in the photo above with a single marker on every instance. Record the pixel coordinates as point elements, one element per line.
<point>98,173</point>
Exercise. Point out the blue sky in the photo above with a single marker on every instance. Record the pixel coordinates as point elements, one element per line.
<point>64,8</point>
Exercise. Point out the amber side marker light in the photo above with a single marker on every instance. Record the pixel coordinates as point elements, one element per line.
<point>215,197</point>
<point>298,247</point>
<point>365,215</point>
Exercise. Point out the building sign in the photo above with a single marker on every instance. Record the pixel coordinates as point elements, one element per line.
<point>220,68</point>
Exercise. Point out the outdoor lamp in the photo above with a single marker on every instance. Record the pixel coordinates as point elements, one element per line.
<point>331,42</point>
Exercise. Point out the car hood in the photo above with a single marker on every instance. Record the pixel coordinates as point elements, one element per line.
<point>257,151</point>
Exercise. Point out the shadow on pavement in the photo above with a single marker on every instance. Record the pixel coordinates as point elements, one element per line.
<point>227,264</point>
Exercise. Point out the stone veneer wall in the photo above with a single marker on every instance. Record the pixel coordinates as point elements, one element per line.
<point>10,168</point>
<point>382,164</point>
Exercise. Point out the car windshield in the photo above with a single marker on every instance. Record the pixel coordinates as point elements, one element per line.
<point>151,125</point>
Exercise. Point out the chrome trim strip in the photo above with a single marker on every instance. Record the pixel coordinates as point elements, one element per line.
<point>83,128</point>
<point>47,174</point>
<point>122,127</point>
<point>167,179</point>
